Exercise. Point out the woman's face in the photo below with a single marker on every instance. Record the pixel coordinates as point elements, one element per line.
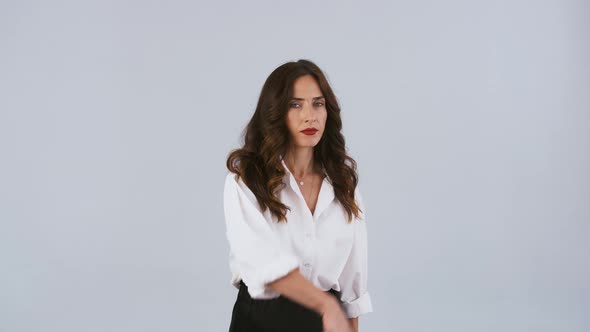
<point>307,109</point>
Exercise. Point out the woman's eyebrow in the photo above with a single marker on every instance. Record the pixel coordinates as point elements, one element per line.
<point>314,98</point>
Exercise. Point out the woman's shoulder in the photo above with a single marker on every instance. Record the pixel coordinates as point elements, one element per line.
<point>235,182</point>
<point>230,176</point>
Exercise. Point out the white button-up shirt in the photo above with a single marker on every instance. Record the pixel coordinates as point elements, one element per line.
<point>329,251</point>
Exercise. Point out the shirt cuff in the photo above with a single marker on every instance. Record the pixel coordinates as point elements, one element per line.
<point>358,307</point>
<point>277,269</point>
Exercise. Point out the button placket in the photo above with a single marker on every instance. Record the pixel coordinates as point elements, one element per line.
<point>308,235</point>
<point>309,249</point>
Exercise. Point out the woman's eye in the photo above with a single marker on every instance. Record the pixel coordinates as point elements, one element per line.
<point>319,104</point>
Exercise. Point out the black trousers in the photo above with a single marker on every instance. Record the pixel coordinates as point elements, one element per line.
<point>270,315</point>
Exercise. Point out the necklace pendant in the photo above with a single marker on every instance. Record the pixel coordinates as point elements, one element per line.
<point>301,183</point>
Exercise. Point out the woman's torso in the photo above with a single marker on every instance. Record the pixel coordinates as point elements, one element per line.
<point>316,230</point>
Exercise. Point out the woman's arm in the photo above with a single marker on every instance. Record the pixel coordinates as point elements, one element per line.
<point>353,279</point>
<point>255,247</point>
<point>355,323</point>
<point>295,287</point>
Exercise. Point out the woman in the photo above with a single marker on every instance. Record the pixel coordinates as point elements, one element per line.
<point>294,214</point>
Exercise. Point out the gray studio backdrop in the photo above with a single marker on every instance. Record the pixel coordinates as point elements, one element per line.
<point>470,121</point>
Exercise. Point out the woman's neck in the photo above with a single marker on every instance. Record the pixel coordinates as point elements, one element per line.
<point>300,162</point>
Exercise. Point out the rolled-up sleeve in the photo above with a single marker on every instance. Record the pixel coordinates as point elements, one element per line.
<point>257,251</point>
<point>354,294</point>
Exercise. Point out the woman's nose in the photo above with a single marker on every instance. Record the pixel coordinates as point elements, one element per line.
<point>310,120</point>
<point>309,114</point>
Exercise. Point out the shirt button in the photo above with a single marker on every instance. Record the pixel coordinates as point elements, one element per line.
<point>307,265</point>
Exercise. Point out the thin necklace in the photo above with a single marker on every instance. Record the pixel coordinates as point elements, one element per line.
<point>310,190</point>
<point>300,181</point>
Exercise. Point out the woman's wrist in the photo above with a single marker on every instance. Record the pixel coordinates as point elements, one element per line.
<point>328,303</point>
<point>298,289</point>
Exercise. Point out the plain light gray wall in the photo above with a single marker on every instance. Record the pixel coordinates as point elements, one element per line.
<point>470,121</point>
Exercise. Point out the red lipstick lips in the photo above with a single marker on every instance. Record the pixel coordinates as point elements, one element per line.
<point>309,131</point>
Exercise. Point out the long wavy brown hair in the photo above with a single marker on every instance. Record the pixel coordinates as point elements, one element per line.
<point>266,139</point>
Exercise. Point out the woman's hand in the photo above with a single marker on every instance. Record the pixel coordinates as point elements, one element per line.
<point>297,288</point>
<point>333,318</point>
